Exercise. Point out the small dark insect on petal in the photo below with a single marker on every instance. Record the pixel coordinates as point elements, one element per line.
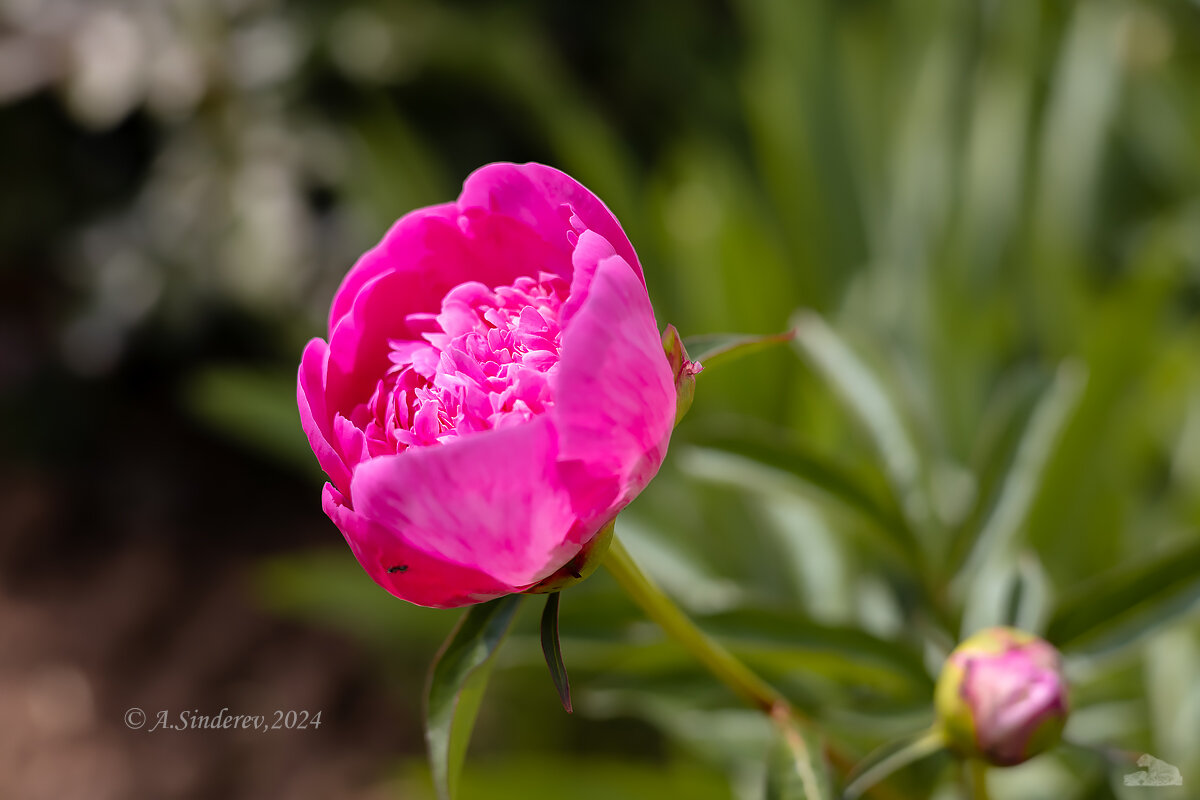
<point>398,568</point>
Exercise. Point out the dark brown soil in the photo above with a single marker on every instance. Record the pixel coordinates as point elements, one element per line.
<point>126,564</point>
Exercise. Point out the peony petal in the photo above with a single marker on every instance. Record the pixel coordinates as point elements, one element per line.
<point>403,570</point>
<point>592,248</point>
<point>314,416</point>
<point>614,390</point>
<point>491,501</point>
<point>410,272</point>
<point>401,244</point>
<point>535,194</point>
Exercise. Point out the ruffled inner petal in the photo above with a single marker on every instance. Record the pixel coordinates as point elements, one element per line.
<point>483,362</point>
<point>427,258</point>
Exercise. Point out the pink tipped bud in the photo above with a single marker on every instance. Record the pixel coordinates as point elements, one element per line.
<point>685,371</point>
<point>1001,697</point>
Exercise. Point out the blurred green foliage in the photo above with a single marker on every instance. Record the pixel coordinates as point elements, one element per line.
<point>983,219</point>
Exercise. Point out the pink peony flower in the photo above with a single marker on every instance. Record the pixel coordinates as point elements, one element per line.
<point>1002,696</point>
<point>494,389</point>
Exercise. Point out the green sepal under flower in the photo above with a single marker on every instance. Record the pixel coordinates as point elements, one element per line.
<point>579,567</point>
<point>685,371</point>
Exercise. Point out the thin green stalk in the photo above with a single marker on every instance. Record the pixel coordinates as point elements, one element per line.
<point>662,610</point>
<point>977,778</point>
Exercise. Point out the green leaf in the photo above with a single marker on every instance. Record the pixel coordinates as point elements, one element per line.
<point>714,349</point>
<point>553,650</point>
<point>789,643</point>
<point>694,716</point>
<point>1012,591</point>
<point>1121,606</point>
<point>796,766</point>
<point>1024,479</point>
<point>457,680</point>
<point>867,397</point>
<point>778,450</point>
<point>997,438</point>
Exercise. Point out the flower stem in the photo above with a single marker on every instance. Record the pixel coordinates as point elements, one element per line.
<point>723,664</point>
<point>977,778</point>
<point>662,610</point>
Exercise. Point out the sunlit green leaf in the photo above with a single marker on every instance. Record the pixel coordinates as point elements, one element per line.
<point>1011,590</point>
<point>790,642</point>
<point>778,450</point>
<point>868,399</point>
<point>688,712</point>
<point>456,684</point>
<point>1121,606</point>
<point>1003,421</point>
<point>1024,478</point>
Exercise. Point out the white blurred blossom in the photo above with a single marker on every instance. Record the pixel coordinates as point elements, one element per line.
<point>223,210</point>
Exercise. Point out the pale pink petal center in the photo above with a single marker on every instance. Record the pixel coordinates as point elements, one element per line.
<point>482,362</point>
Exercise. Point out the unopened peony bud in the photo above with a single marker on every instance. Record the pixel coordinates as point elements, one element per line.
<point>685,371</point>
<point>1001,697</point>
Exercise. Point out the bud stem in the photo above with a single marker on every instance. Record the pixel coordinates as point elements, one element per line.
<point>977,777</point>
<point>878,767</point>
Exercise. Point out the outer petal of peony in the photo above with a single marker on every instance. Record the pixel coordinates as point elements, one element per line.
<point>409,242</point>
<point>314,415</point>
<point>491,502</point>
<point>615,391</point>
<point>406,571</point>
<point>536,195</point>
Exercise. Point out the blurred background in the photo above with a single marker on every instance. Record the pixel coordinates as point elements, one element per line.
<point>983,217</point>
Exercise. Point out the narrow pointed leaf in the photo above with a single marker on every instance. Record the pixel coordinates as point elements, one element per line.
<point>553,651</point>
<point>1125,604</point>
<point>778,450</point>
<point>786,642</point>
<point>1024,479</point>
<point>796,767</point>
<point>714,349</point>
<point>867,398</point>
<point>1013,591</point>
<point>456,684</point>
